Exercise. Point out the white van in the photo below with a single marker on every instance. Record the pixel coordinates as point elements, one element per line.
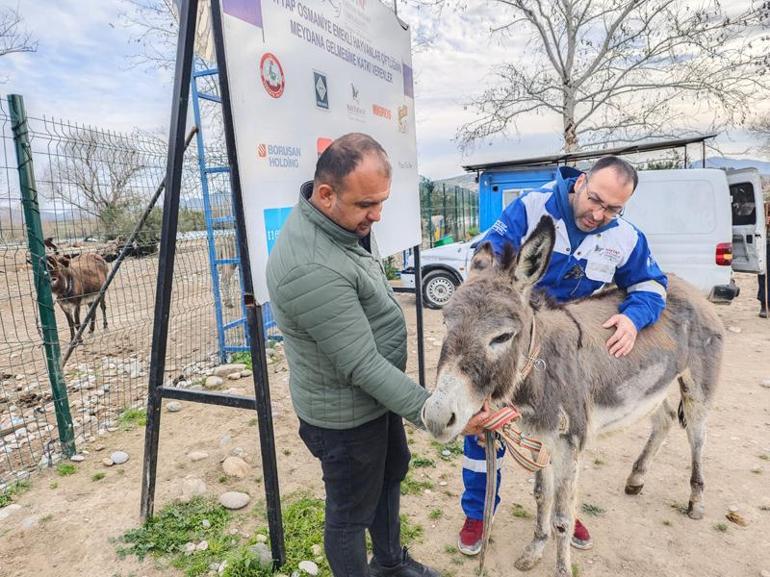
<point>701,224</point>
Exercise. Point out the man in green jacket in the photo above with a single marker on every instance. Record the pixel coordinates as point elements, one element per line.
<point>345,340</point>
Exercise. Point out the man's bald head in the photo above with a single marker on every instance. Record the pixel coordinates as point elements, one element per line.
<point>344,155</point>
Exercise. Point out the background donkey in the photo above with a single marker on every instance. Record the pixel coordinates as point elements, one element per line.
<point>578,389</point>
<point>76,281</point>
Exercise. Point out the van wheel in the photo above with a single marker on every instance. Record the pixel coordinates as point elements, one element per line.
<point>438,286</point>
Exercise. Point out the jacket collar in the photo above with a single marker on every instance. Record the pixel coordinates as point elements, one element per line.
<point>319,219</point>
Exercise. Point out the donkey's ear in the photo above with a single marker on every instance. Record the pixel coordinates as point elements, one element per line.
<point>483,260</point>
<point>535,254</point>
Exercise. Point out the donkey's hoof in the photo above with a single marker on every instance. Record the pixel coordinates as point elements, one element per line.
<point>526,562</point>
<point>634,489</point>
<point>695,511</point>
<point>563,572</point>
<point>530,557</point>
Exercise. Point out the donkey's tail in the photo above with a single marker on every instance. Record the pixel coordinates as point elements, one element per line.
<point>680,413</point>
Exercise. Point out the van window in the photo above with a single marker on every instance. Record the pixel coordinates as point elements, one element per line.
<point>744,208</point>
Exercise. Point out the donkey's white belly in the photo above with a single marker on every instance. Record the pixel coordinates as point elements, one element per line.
<point>636,401</point>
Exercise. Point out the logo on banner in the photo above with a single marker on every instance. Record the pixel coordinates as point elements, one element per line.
<point>355,110</point>
<point>403,114</point>
<point>321,90</point>
<point>381,111</point>
<point>273,78</point>
<point>280,155</point>
<point>322,144</point>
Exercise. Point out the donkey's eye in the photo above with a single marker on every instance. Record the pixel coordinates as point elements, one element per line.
<point>500,339</point>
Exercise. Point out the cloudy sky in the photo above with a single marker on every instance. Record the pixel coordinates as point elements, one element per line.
<point>82,72</point>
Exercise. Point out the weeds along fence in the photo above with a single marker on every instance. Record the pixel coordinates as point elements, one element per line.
<point>89,189</point>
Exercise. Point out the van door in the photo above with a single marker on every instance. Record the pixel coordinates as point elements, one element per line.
<point>748,226</point>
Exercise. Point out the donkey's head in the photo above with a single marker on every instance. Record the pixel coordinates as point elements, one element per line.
<point>489,323</point>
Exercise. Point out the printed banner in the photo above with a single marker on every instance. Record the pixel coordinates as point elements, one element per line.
<point>302,74</point>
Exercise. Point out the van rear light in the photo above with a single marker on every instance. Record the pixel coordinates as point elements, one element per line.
<point>725,254</point>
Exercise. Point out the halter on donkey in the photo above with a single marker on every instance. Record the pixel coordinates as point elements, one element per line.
<point>579,390</point>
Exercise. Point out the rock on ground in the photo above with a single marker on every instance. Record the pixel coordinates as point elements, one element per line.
<point>234,500</point>
<point>119,457</point>
<point>235,467</point>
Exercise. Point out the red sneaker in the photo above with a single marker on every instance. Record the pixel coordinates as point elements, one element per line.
<point>469,542</point>
<point>581,538</point>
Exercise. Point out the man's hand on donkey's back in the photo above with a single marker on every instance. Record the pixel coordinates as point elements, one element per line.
<point>622,341</point>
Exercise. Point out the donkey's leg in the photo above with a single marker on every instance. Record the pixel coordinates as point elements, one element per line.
<point>103,305</point>
<point>544,499</point>
<point>565,484</point>
<point>70,324</point>
<point>92,323</point>
<point>661,419</point>
<point>694,400</point>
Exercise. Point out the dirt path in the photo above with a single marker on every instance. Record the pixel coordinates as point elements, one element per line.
<point>75,519</point>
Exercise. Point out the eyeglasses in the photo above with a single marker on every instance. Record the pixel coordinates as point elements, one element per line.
<point>597,204</point>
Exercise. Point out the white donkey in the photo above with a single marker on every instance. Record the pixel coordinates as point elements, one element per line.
<point>576,388</point>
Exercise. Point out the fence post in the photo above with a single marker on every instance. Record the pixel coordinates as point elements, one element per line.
<point>42,280</point>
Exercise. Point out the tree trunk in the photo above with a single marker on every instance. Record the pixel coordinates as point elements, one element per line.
<point>568,120</point>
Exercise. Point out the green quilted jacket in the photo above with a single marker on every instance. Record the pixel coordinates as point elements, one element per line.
<point>345,335</point>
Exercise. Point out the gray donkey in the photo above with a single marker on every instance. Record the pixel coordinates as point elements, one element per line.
<point>574,389</point>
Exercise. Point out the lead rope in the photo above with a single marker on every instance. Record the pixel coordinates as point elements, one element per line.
<point>501,422</point>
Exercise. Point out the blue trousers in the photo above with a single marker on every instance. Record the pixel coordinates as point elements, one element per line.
<point>475,477</point>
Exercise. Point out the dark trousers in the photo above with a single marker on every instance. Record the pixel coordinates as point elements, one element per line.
<point>362,472</point>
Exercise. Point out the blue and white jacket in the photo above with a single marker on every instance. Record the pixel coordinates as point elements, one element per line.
<point>582,263</point>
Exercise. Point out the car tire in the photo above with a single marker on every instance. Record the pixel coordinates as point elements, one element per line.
<point>438,286</point>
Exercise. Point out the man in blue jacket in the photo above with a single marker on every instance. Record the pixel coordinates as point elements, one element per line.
<point>594,247</point>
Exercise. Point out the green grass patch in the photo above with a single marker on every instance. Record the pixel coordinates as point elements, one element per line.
<point>436,514</point>
<point>721,527</point>
<point>575,570</point>
<point>166,534</point>
<point>667,523</point>
<point>98,476</point>
<point>53,485</point>
<point>421,462</point>
<point>132,418</point>
<point>411,486</point>
<point>450,549</point>
<point>520,512</point>
<point>599,462</point>
<point>410,532</point>
<point>243,358</point>
<point>593,510</point>
<point>13,490</point>
<point>449,451</point>
<point>764,457</point>
<point>66,469</point>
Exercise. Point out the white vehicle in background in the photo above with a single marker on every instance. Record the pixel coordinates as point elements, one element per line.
<point>701,224</point>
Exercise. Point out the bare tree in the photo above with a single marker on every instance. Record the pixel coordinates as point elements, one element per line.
<point>13,36</point>
<point>155,28</point>
<point>623,70</point>
<point>98,179</point>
